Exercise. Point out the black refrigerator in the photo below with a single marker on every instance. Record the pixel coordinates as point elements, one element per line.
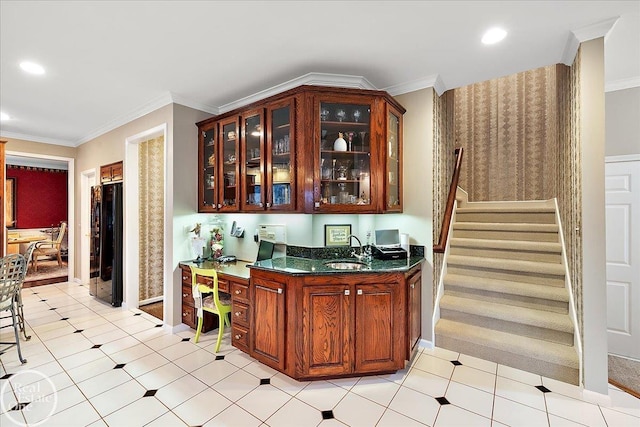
<point>106,243</point>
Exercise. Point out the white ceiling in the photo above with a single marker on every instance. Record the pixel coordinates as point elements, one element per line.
<point>109,62</point>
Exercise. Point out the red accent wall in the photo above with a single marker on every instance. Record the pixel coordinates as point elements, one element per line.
<point>41,196</point>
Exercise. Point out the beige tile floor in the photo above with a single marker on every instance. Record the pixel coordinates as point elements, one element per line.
<point>93,365</point>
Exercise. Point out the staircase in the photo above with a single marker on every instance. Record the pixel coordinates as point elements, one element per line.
<point>504,296</point>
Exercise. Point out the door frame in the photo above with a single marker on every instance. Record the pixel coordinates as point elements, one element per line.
<point>87,180</point>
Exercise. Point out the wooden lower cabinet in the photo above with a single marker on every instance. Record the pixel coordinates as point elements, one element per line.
<point>414,316</point>
<point>268,331</point>
<point>315,326</point>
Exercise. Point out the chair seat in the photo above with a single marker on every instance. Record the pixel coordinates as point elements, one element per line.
<point>207,302</point>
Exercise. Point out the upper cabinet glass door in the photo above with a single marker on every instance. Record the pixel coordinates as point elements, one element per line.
<point>281,194</point>
<point>253,161</point>
<point>394,157</point>
<point>208,199</point>
<point>228,195</point>
<point>345,156</point>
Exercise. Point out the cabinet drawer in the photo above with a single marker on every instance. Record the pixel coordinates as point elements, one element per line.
<point>187,296</point>
<point>239,337</point>
<point>240,292</point>
<point>186,276</point>
<point>240,313</point>
<point>223,285</point>
<point>189,316</point>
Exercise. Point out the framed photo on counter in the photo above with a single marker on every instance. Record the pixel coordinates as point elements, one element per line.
<point>337,234</point>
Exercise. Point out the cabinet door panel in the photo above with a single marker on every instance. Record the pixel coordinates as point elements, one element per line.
<point>415,312</point>
<point>252,189</point>
<point>281,154</point>
<point>325,324</point>
<point>230,166</point>
<point>268,325</point>
<point>379,313</point>
<point>207,178</point>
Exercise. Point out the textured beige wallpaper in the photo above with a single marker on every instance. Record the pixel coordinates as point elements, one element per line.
<point>151,202</point>
<point>509,130</point>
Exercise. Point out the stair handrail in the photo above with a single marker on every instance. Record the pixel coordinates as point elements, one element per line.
<point>448,213</point>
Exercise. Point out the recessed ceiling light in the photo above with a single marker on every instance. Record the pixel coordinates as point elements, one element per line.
<point>494,35</point>
<point>32,67</point>
<point>4,116</point>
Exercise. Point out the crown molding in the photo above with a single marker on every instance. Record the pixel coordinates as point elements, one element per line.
<point>152,105</point>
<point>34,138</point>
<point>182,100</point>
<point>314,79</point>
<point>431,81</point>
<point>622,84</point>
<point>590,32</point>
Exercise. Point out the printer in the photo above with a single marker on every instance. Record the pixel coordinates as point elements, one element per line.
<point>387,245</point>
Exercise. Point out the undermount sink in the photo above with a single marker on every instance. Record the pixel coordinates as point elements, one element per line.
<point>345,265</point>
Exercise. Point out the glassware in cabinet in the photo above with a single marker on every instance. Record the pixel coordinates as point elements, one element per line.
<point>393,186</point>
<point>281,172</point>
<point>345,155</point>
<point>228,195</point>
<point>253,160</point>
<point>207,178</point>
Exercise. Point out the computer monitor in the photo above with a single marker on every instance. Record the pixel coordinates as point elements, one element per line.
<point>388,238</point>
<point>265,250</point>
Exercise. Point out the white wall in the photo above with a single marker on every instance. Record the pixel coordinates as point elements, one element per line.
<point>622,124</point>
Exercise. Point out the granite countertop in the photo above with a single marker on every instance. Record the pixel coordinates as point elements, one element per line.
<point>303,266</point>
<point>236,269</point>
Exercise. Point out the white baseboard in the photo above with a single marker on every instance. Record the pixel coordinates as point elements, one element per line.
<point>597,398</point>
<point>178,328</point>
<point>426,344</point>
<point>151,300</point>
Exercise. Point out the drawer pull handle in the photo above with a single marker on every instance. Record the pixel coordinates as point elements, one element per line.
<point>238,336</point>
<point>238,314</point>
<point>346,292</point>
<point>185,278</point>
<point>238,291</point>
<point>184,314</point>
<point>413,285</point>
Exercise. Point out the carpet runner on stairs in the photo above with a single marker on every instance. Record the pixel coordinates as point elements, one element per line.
<point>504,295</point>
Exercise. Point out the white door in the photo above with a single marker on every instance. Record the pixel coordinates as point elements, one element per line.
<point>622,186</point>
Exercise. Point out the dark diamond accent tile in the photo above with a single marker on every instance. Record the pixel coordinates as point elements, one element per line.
<point>1,353</point>
<point>77,331</point>
<point>43,300</point>
<point>119,366</point>
<point>220,357</point>
<point>20,406</point>
<point>543,389</point>
<point>97,346</point>
<point>138,314</point>
<point>327,415</point>
<point>53,308</point>
<point>65,318</point>
<point>6,376</point>
<point>186,339</point>
<point>443,400</point>
<point>150,393</point>
<point>265,381</point>
<point>456,362</point>
<point>158,326</point>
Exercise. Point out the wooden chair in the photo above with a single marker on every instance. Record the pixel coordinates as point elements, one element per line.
<point>216,303</point>
<point>49,248</point>
<point>18,298</point>
<point>11,277</point>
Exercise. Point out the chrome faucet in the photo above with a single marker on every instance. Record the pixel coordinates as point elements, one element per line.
<point>360,256</point>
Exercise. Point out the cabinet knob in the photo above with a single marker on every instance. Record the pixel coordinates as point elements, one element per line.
<point>185,278</point>
<point>316,205</point>
<point>347,292</point>
<point>413,285</point>
<point>359,291</point>
<point>238,292</point>
<point>238,314</point>
<point>268,204</point>
<point>184,314</point>
<point>219,205</point>
<point>237,336</point>
<point>185,295</point>
<point>261,205</point>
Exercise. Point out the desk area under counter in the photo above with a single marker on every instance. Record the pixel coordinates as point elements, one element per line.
<point>311,321</point>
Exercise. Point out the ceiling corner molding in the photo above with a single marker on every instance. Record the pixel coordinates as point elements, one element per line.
<point>431,81</point>
<point>314,79</point>
<point>584,34</point>
<point>152,105</point>
<point>182,100</point>
<point>629,83</point>
<point>34,138</point>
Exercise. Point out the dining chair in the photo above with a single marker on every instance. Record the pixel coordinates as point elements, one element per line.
<point>48,248</point>
<point>18,298</point>
<point>11,276</point>
<point>217,302</point>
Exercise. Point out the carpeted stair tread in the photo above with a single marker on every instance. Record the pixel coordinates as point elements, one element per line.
<point>516,245</point>
<point>503,341</point>
<point>507,287</point>
<point>546,268</point>
<point>507,313</point>
<point>504,209</point>
<point>506,226</point>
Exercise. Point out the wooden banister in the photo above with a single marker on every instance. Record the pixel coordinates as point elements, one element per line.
<point>448,213</point>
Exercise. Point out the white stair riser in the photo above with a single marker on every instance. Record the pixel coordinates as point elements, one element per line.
<point>531,331</point>
<point>512,217</point>
<point>529,236</point>
<point>535,278</point>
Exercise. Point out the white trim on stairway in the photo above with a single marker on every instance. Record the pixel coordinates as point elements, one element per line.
<point>443,272</point>
<point>625,158</point>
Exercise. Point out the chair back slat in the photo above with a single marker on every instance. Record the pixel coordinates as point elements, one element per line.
<point>12,272</point>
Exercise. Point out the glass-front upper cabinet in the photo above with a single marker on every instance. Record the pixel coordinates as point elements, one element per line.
<point>229,153</point>
<point>281,173</point>
<point>253,160</point>
<point>345,156</point>
<point>393,193</point>
<point>207,159</point>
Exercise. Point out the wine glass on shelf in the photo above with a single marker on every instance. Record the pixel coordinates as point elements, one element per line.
<point>341,114</point>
